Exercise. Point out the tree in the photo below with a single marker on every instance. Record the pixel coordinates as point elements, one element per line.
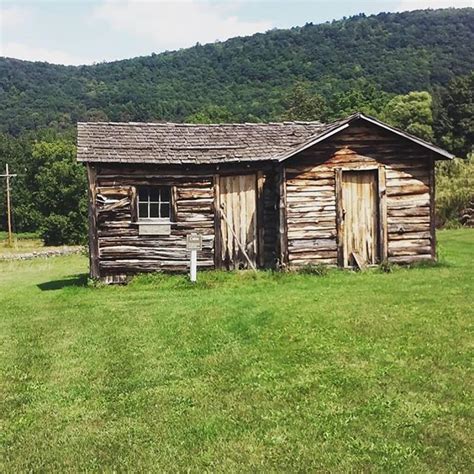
<point>211,114</point>
<point>412,113</point>
<point>17,153</point>
<point>362,96</point>
<point>60,193</point>
<point>454,116</point>
<point>302,104</point>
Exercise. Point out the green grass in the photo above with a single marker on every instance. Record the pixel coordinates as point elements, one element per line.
<point>242,372</point>
<point>25,242</point>
<point>20,235</point>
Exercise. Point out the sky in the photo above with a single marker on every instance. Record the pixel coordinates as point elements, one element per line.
<point>90,31</point>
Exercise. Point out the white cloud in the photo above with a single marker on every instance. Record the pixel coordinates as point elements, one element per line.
<point>14,16</point>
<point>16,19</point>
<point>32,53</point>
<point>408,5</point>
<point>176,24</point>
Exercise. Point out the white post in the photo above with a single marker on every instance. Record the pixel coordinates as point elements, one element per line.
<point>193,267</point>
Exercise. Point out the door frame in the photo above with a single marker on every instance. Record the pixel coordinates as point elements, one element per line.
<point>381,208</point>
<point>219,220</point>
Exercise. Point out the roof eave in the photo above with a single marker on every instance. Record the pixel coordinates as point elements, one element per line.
<point>442,154</point>
<point>311,142</point>
<point>435,149</point>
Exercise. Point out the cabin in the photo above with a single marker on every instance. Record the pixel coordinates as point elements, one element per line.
<point>356,192</point>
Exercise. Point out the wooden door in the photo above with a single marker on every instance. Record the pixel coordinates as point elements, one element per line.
<point>360,217</point>
<point>238,222</point>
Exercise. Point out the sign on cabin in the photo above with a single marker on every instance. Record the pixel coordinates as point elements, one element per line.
<point>194,242</point>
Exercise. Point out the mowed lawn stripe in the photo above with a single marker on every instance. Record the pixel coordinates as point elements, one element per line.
<point>268,372</point>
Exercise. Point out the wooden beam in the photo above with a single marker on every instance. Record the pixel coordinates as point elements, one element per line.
<point>260,219</point>
<point>93,237</point>
<point>339,217</point>
<point>383,226</point>
<point>433,208</point>
<point>133,203</point>
<point>217,225</point>
<point>283,224</point>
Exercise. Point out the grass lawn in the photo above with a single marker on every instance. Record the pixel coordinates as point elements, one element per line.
<point>242,372</point>
<point>27,242</point>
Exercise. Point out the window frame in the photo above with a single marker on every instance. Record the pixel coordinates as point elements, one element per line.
<point>160,202</point>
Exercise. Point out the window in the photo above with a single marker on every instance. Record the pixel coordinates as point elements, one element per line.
<point>154,203</point>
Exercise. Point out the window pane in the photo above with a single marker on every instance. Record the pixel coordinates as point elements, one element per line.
<point>154,210</point>
<point>143,194</point>
<point>154,194</point>
<point>165,194</point>
<point>165,210</point>
<point>154,202</point>
<point>143,209</point>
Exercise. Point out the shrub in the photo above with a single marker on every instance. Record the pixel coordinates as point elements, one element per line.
<point>58,229</point>
<point>312,269</point>
<point>454,189</point>
<point>386,267</point>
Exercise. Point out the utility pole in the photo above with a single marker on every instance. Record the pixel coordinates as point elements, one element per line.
<point>7,176</point>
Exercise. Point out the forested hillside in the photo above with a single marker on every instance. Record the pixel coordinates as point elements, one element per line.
<point>413,70</point>
<point>391,53</point>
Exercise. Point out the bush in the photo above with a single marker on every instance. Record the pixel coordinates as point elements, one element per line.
<point>59,229</point>
<point>454,190</point>
<point>387,267</point>
<point>312,269</point>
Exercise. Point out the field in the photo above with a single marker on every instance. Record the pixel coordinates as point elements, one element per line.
<point>27,243</point>
<point>242,372</point>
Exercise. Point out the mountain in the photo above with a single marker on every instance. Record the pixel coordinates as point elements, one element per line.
<point>248,77</point>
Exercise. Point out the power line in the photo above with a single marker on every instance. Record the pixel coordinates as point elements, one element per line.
<point>7,177</point>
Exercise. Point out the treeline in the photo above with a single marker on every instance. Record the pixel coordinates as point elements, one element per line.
<point>49,193</point>
<point>348,62</point>
<point>413,70</point>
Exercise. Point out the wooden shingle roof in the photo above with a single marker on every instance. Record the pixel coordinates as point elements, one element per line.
<point>171,143</point>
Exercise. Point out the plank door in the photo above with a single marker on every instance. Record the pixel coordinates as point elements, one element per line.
<point>238,201</point>
<point>360,217</point>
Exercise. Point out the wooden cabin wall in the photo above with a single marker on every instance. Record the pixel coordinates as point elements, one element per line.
<point>123,251</point>
<point>311,195</point>
<point>118,250</point>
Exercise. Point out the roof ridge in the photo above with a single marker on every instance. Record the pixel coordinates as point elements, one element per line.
<point>187,124</point>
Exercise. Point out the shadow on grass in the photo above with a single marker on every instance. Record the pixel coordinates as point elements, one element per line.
<point>79,280</point>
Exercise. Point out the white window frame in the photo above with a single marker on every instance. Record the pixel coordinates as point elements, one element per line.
<point>158,189</point>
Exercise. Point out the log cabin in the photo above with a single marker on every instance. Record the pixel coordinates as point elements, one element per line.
<point>356,192</point>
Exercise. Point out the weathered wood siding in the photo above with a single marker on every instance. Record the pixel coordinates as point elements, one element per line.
<point>123,251</point>
<point>311,195</point>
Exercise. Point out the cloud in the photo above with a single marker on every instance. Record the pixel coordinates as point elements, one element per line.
<point>408,5</point>
<point>32,53</point>
<point>176,24</point>
<point>14,17</point>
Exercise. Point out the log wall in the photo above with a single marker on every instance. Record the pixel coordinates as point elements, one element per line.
<point>121,251</point>
<point>311,195</point>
